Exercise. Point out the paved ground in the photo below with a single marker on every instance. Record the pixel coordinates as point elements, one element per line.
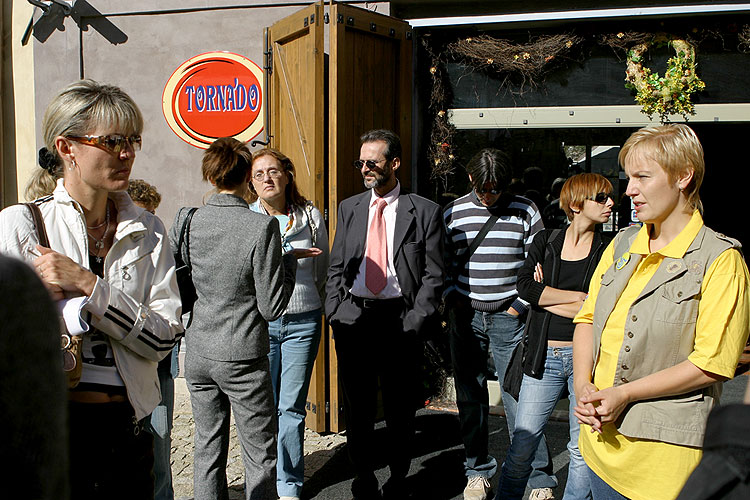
<point>436,468</point>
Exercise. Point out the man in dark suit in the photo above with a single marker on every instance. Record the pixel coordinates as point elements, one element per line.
<point>384,281</point>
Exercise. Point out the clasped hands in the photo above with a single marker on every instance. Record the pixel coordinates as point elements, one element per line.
<point>60,274</point>
<point>598,407</point>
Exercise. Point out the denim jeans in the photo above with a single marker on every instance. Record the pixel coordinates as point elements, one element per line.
<point>472,334</point>
<point>601,490</point>
<point>294,345</point>
<point>160,425</point>
<point>535,405</point>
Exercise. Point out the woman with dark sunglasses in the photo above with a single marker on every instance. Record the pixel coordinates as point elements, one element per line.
<point>554,279</point>
<point>665,322</point>
<point>114,257</point>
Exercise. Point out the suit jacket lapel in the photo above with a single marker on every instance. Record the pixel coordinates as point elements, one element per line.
<point>359,224</point>
<point>404,219</point>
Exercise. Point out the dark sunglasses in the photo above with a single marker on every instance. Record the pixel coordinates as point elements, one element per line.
<point>485,191</point>
<point>601,198</point>
<point>113,143</point>
<point>370,164</point>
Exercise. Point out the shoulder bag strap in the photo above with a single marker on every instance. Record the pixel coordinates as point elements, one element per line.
<point>313,227</point>
<point>185,235</point>
<point>41,231</point>
<point>478,240</point>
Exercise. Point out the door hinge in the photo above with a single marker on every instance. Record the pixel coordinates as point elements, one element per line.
<point>269,60</point>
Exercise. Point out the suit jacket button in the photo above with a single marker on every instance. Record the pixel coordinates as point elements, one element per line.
<point>634,317</point>
<point>630,335</point>
<point>624,366</point>
<point>627,348</point>
<point>623,380</point>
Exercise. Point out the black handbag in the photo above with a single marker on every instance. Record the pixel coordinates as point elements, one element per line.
<point>514,372</point>
<point>184,272</point>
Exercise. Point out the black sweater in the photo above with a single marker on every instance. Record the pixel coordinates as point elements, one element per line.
<point>547,252</point>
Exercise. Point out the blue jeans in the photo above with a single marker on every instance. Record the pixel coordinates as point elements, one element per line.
<point>294,345</point>
<point>160,425</point>
<point>535,405</point>
<point>601,490</point>
<point>472,334</point>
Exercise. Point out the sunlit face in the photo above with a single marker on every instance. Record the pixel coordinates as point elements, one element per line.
<point>598,213</point>
<point>97,168</point>
<point>655,197</point>
<point>269,179</point>
<point>383,174</point>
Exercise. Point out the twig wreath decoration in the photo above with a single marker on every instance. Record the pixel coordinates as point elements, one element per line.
<point>668,94</point>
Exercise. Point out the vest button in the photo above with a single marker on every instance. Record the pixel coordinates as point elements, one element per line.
<point>623,380</point>
<point>634,317</point>
<point>679,294</point>
<point>624,367</point>
<point>627,348</point>
<point>630,335</point>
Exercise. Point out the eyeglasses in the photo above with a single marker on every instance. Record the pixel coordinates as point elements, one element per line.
<point>487,191</point>
<point>112,143</point>
<point>370,164</point>
<point>273,173</point>
<point>601,198</point>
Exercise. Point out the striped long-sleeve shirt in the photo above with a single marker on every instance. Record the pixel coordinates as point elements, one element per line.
<point>489,278</point>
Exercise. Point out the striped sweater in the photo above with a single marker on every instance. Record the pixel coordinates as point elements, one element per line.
<point>489,279</point>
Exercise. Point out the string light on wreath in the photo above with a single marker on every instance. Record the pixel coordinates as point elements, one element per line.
<point>669,94</point>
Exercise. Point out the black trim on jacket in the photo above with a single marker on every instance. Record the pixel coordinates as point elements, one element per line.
<point>537,326</point>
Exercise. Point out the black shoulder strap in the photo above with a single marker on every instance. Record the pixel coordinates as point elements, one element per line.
<point>477,241</point>
<point>41,231</point>
<point>185,235</point>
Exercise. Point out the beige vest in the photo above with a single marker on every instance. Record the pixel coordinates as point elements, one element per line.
<point>660,333</point>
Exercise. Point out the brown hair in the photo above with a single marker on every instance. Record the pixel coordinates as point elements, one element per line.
<point>226,163</point>
<point>676,149</point>
<point>580,188</point>
<point>292,194</point>
<point>144,193</point>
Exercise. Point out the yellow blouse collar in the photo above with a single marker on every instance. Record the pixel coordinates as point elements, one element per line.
<point>677,247</point>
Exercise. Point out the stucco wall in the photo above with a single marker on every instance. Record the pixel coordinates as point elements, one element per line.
<point>157,43</point>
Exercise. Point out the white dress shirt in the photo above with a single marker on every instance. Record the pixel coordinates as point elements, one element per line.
<point>392,290</point>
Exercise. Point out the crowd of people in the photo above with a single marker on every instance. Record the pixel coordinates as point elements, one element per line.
<point>638,331</point>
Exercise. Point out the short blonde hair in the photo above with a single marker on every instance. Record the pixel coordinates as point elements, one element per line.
<point>580,188</point>
<point>676,149</point>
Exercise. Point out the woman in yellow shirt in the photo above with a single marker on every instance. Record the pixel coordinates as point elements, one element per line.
<point>663,327</point>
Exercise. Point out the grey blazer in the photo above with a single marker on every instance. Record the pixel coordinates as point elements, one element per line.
<point>240,276</point>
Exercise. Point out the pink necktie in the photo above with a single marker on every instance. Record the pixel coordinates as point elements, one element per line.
<point>377,251</point>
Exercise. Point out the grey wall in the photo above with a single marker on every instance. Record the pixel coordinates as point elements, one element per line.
<point>157,43</point>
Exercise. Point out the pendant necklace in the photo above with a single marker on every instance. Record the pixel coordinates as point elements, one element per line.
<point>99,243</point>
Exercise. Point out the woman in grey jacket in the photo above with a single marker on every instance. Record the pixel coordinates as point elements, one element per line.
<point>242,282</point>
<point>294,336</point>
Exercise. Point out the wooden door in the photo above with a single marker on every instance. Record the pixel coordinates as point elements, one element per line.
<point>297,129</point>
<point>370,75</point>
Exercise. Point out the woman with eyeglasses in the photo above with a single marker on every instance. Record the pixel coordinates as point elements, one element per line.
<point>295,335</point>
<point>113,256</point>
<point>665,322</point>
<point>554,279</point>
<point>243,282</point>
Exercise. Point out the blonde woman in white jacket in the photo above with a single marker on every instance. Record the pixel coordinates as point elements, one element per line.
<point>116,256</point>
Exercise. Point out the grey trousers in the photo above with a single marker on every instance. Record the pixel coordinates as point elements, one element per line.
<point>245,386</point>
